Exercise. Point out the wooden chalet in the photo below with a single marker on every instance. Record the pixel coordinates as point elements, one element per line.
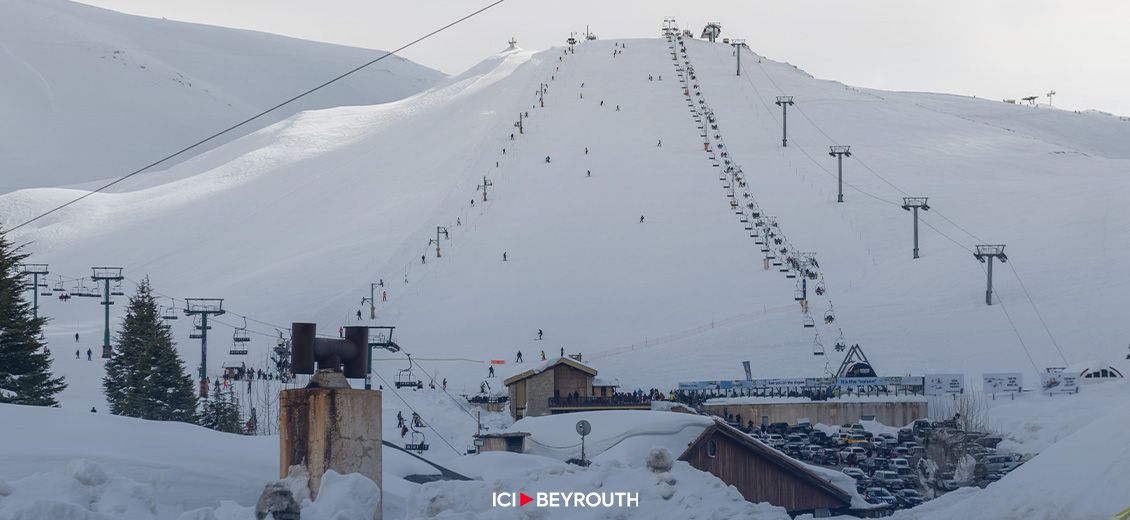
<point>763,474</point>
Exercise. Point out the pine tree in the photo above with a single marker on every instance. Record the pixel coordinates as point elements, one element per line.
<point>25,368</point>
<point>221,412</point>
<point>146,378</point>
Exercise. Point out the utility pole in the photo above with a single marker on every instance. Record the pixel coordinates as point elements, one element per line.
<point>204,307</point>
<point>107,275</point>
<point>440,231</point>
<point>914,204</point>
<point>990,252</point>
<point>483,187</point>
<point>738,44</point>
<point>784,102</point>
<point>839,151</point>
<point>35,270</point>
<point>1050,94</point>
<point>372,299</point>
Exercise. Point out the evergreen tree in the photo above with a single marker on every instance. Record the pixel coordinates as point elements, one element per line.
<point>221,412</point>
<point>146,378</point>
<point>25,368</point>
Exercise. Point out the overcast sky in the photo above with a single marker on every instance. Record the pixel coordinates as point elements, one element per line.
<point>989,48</point>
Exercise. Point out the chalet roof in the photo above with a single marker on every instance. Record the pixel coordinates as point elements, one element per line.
<point>548,364</point>
<point>779,459</point>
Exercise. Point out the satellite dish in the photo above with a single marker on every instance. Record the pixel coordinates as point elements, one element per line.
<point>583,427</point>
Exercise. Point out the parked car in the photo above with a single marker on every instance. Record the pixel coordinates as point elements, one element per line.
<point>775,440</point>
<point>830,457</point>
<point>908,476</point>
<point>859,452</point>
<point>878,495</point>
<point>905,435</point>
<point>818,437</point>
<point>888,479</point>
<point>856,438</point>
<point>996,463</point>
<point>779,428</point>
<point>855,473</point>
<point>797,437</point>
<point>899,463</point>
<point>879,463</point>
<point>811,452</point>
<point>909,497</point>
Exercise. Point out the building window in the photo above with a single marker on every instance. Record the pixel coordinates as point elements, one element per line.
<point>711,448</point>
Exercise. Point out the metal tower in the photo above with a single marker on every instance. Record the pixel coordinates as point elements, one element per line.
<point>204,307</point>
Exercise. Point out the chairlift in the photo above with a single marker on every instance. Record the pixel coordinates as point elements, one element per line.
<point>817,347</point>
<point>59,287</point>
<point>798,294</point>
<point>239,340</point>
<point>841,345</point>
<point>170,312</point>
<point>820,288</point>
<point>116,290</point>
<point>808,321</point>
<point>418,442</point>
<point>44,290</point>
<point>829,317</point>
<point>405,379</point>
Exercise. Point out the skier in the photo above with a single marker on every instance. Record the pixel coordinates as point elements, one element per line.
<point>76,337</point>
<point>358,314</point>
<point>641,219</point>
<point>490,371</point>
<point>543,355</point>
<point>503,151</point>
<point>93,410</point>
<point>504,256</point>
<point>458,221</point>
<point>445,384</point>
<point>562,351</point>
<point>602,102</point>
<point>399,419</point>
<point>76,354</point>
<point>423,259</point>
<point>472,203</point>
<point>511,136</point>
<point>547,159</point>
<point>659,144</point>
<point>617,108</point>
<point>586,150</point>
<point>88,353</point>
<point>588,173</point>
<point>384,296</point>
<point>341,332</point>
<point>519,356</point>
<point>539,333</point>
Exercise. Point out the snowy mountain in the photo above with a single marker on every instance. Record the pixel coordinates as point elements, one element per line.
<point>90,94</point>
<point>293,223</point>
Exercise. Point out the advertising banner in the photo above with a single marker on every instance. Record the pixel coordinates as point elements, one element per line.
<point>1002,383</point>
<point>944,384</point>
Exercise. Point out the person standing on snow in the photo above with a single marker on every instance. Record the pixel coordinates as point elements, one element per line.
<point>641,219</point>
<point>539,333</point>
<point>490,371</point>
<point>76,337</point>
<point>543,355</point>
<point>504,256</point>
<point>76,354</point>
<point>88,353</point>
<point>519,356</point>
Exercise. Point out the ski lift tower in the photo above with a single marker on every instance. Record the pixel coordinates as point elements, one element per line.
<point>711,31</point>
<point>380,337</point>
<point>204,307</point>
<point>107,275</point>
<point>784,102</point>
<point>738,43</point>
<point>513,44</point>
<point>839,151</point>
<point>35,270</point>
<point>985,254</point>
<point>915,203</point>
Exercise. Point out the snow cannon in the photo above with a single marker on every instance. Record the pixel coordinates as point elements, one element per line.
<point>345,355</point>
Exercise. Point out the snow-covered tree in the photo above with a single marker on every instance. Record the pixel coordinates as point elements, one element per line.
<point>221,412</point>
<point>25,368</point>
<point>147,378</point>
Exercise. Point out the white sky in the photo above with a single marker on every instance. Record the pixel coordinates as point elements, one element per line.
<point>989,48</point>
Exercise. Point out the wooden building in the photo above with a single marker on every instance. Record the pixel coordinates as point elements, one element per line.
<point>506,441</point>
<point>561,379</point>
<point>565,385</point>
<point>763,474</point>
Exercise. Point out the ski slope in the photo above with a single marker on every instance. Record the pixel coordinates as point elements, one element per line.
<point>91,94</point>
<point>292,223</point>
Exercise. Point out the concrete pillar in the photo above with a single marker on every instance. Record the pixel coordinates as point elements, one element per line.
<point>331,428</point>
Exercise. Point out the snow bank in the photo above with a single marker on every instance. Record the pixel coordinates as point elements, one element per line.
<point>683,493</point>
<point>625,436</point>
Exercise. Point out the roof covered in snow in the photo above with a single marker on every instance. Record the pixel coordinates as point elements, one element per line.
<point>548,364</point>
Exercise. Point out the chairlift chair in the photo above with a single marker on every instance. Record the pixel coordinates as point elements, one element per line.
<point>170,312</point>
<point>116,290</point>
<point>820,290</point>
<point>829,317</point>
<point>418,442</point>
<point>44,290</point>
<point>809,322</point>
<point>817,347</point>
<point>405,379</point>
<point>841,345</point>
<point>59,287</point>
<point>239,339</point>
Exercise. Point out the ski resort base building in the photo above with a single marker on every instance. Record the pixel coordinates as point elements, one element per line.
<point>562,385</point>
<point>767,410</point>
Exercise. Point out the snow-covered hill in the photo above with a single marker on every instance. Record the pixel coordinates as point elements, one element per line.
<point>91,94</point>
<point>293,222</point>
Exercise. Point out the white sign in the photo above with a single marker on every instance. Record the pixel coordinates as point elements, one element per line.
<point>944,384</point>
<point>1002,383</point>
<point>1059,383</point>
